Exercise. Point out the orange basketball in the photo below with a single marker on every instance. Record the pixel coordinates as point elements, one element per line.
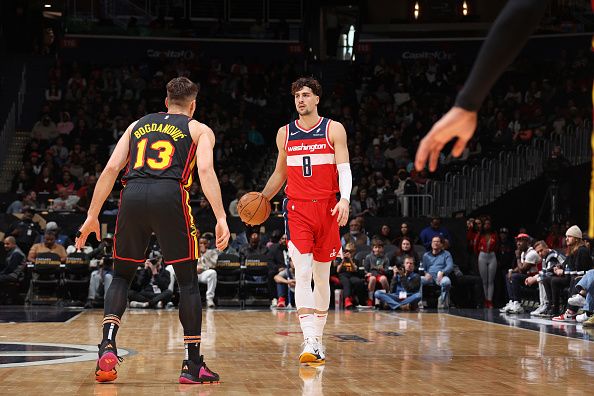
<point>253,208</point>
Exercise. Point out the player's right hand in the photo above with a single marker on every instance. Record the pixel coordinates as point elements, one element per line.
<point>222,234</point>
<point>90,225</point>
<point>456,123</point>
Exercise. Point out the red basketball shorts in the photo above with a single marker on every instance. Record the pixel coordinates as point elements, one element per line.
<point>311,227</point>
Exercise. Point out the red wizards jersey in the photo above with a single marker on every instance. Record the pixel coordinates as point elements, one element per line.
<point>311,166</point>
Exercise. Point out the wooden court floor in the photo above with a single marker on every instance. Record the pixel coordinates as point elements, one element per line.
<point>255,352</point>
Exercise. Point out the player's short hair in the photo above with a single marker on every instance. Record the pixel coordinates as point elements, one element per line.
<point>181,90</point>
<point>309,82</point>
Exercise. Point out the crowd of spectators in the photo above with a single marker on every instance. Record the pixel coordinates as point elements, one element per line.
<point>386,108</point>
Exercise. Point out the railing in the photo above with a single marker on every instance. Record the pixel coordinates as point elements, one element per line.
<point>479,185</point>
<point>415,205</point>
<point>198,10</point>
<point>13,118</point>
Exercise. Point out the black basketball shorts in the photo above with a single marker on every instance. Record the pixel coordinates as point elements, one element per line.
<point>161,206</point>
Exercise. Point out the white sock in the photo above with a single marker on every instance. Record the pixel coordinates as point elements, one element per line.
<point>307,325</point>
<point>320,322</point>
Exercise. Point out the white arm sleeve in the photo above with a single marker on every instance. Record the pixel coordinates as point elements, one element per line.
<point>345,180</point>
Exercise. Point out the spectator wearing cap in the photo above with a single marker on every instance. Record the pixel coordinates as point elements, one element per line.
<point>517,277</point>
<point>48,245</point>
<point>577,263</point>
<point>433,230</point>
<point>522,247</point>
<point>438,264</point>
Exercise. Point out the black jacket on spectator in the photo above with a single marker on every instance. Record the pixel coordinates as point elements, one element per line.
<point>580,261</point>
<point>14,258</point>
<point>411,282</point>
<point>145,280</point>
<point>25,232</point>
<point>248,251</point>
<point>277,257</point>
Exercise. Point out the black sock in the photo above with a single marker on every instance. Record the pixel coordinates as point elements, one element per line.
<point>111,324</point>
<point>116,298</point>
<point>190,308</point>
<point>192,344</point>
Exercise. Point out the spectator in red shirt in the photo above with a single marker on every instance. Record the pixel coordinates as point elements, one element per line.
<point>486,244</point>
<point>555,238</point>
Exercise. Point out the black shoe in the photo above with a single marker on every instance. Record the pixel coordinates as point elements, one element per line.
<point>89,304</point>
<point>197,373</point>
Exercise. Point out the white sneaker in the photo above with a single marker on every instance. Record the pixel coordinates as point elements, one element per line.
<point>516,308</point>
<point>507,307</point>
<point>577,300</point>
<point>581,318</point>
<point>138,304</point>
<point>169,305</point>
<point>321,351</point>
<point>540,310</point>
<point>210,303</point>
<point>311,351</point>
<point>160,305</point>
<point>273,303</point>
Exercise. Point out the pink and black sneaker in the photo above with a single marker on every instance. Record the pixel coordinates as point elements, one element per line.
<point>108,359</point>
<point>197,373</point>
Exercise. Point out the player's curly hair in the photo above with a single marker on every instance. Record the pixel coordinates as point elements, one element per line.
<point>309,82</point>
<point>181,90</point>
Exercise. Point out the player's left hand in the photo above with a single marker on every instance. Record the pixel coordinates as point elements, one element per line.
<point>90,225</point>
<point>342,208</point>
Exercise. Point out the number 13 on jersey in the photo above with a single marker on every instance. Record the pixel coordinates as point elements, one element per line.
<point>165,153</point>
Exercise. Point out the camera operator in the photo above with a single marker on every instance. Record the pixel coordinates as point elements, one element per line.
<point>150,290</point>
<point>102,258</point>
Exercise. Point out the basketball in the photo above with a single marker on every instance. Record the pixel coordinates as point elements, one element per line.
<point>253,208</point>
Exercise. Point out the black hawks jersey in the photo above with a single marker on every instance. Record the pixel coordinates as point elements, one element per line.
<point>161,147</point>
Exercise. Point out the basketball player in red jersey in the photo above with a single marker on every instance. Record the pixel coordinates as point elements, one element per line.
<point>313,159</point>
<point>160,152</point>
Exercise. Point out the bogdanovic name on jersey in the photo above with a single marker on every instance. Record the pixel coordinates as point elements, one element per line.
<point>168,129</point>
<point>307,147</point>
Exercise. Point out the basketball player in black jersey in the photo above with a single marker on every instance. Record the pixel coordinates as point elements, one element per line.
<point>160,152</point>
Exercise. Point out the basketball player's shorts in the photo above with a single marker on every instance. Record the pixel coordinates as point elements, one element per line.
<point>310,226</point>
<point>154,205</point>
